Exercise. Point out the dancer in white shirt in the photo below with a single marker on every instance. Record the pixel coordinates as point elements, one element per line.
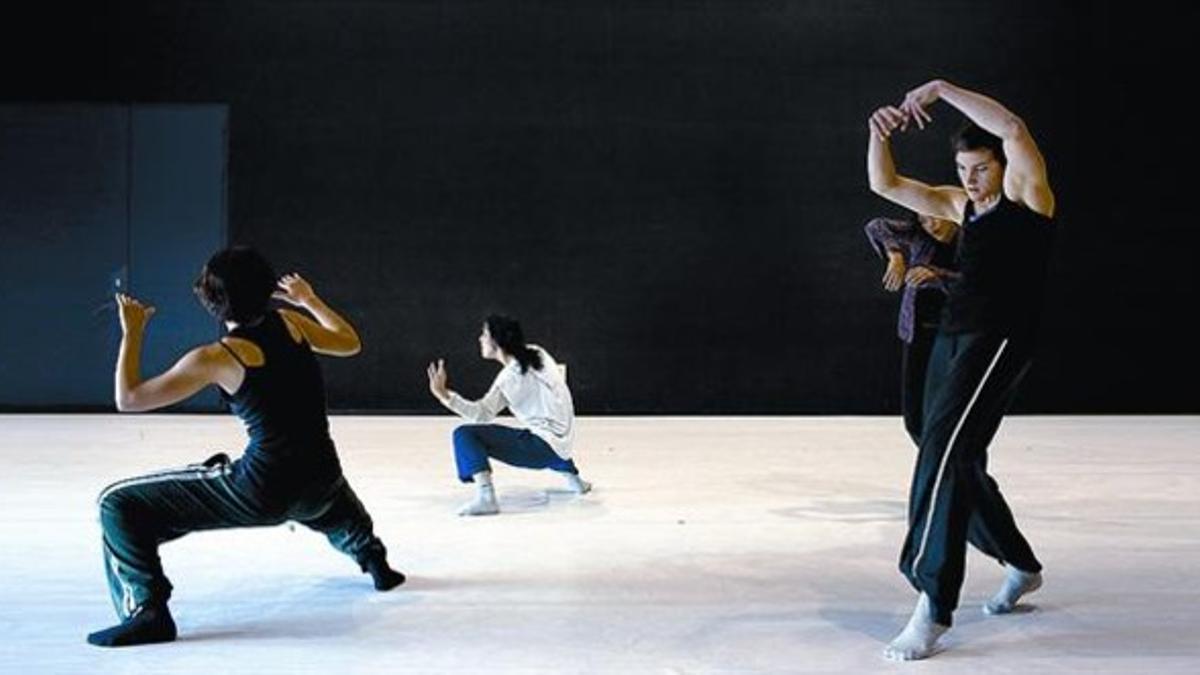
<point>533,387</point>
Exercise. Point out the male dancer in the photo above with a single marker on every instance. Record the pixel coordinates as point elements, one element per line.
<point>983,349</point>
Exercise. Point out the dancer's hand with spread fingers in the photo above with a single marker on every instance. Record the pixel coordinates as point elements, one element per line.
<point>330,334</point>
<point>917,100</point>
<point>295,290</point>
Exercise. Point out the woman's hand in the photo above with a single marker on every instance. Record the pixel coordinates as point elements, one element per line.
<point>293,289</point>
<point>133,314</point>
<point>437,380</point>
<point>893,278</point>
<point>919,276</point>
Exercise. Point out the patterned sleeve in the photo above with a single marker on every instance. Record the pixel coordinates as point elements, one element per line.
<point>889,234</point>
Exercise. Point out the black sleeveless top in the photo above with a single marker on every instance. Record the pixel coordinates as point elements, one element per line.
<point>1002,258</point>
<point>282,404</point>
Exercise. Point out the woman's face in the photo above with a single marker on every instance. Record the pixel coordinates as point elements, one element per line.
<point>487,346</point>
<point>939,228</point>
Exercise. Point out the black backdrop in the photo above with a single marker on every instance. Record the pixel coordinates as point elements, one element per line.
<point>669,195</point>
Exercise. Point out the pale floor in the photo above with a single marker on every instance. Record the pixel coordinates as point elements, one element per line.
<point>710,545</point>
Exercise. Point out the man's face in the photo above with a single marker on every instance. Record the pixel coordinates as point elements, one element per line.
<point>980,173</point>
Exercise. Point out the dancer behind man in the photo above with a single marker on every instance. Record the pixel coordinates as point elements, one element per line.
<point>533,387</point>
<point>920,254</point>
<point>982,351</point>
<point>290,470</point>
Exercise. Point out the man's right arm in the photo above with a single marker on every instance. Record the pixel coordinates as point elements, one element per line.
<point>941,202</point>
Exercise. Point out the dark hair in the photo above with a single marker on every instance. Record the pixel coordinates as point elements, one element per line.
<point>507,333</point>
<point>236,284</point>
<point>971,137</point>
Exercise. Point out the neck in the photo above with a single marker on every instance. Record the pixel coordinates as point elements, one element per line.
<point>986,203</point>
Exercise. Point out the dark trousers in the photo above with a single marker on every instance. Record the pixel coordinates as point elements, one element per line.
<point>475,443</point>
<point>914,362</point>
<point>139,514</point>
<point>972,380</point>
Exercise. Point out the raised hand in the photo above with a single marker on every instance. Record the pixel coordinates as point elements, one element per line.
<point>916,100</point>
<point>133,314</point>
<point>887,119</point>
<point>295,290</point>
<point>437,379</point>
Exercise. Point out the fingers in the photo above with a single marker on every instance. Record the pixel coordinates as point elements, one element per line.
<point>919,275</point>
<point>892,280</point>
<point>913,108</point>
<point>130,301</point>
<point>887,119</point>
<point>436,369</point>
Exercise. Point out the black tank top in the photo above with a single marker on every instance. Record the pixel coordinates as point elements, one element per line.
<point>1002,259</point>
<point>282,404</point>
<point>927,309</point>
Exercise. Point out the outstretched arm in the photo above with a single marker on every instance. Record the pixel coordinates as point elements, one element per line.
<point>482,411</point>
<point>1025,176</point>
<point>942,202</point>
<point>330,333</point>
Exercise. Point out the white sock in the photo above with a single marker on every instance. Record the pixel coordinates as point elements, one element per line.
<point>576,484</point>
<point>1016,584</point>
<point>919,638</point>
<point>484,503</point>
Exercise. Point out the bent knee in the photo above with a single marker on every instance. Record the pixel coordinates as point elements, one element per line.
<point>116,506</point>
<point>466,433</point>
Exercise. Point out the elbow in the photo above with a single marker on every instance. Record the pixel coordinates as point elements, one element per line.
<point>128,403</point>
<point>353,345</point>
<point>346,346</point>
<point>1013,128</point>
<point>881,187</point>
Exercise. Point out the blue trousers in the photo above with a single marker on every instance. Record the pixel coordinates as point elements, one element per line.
<point>475,443</point>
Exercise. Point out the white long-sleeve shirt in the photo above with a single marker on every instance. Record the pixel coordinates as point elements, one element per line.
<point>539,399</point>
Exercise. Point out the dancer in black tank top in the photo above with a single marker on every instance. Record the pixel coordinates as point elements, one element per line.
<point>982,350</point>
<point>266,369</point>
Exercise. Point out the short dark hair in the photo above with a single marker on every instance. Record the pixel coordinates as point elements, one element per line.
<point>236,284</point>
<point>506,332</point>
<point>971,137</point>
